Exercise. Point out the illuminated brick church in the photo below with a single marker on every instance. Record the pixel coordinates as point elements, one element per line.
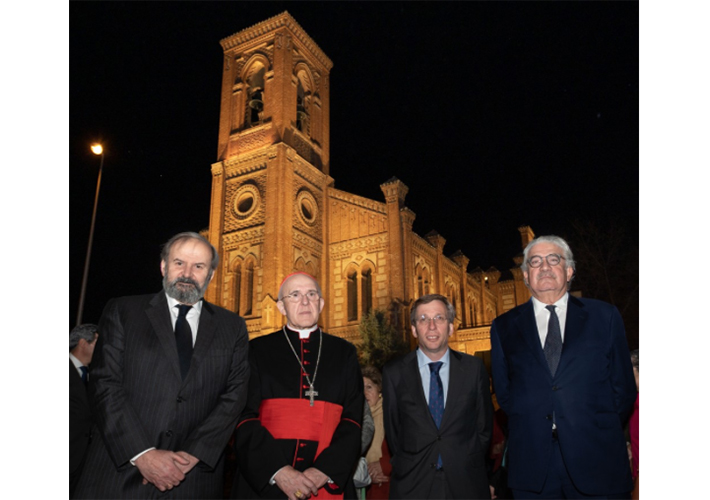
<point>275,209</point>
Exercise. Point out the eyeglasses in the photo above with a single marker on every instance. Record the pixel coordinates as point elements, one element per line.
<point>295,297</point>
<point>553,259</point>
<point>425,321</point>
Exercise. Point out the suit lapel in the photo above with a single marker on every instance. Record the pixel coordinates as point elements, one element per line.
<point>413,380</point>
<point>574,326</point>
<point>205,333</point>
<point>528,331</point>
<point>159,317</point>
<point>456,386</point>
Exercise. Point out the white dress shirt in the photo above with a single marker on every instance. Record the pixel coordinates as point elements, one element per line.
<point>77,363</point>
<point>542,316</point>
<point>193,315</point>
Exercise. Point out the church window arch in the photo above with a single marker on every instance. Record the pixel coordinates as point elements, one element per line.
<point>235,277</point>
<point>248,292</point>
<point>351,277</point>
<point>366,287</point>
<point>360,287</point>
<point>471,312</point>
<point>423,284</point>
<point>254,80</point>
<point>304,99</point>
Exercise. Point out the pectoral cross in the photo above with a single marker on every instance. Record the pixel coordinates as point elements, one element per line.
<point>312,393</point>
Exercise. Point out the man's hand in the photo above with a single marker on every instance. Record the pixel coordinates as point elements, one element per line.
<point>191,459</point>
<point>296,485</point>
<point>318,478</point>
<point>162,468</point>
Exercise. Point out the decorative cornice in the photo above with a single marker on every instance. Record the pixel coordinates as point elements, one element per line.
<point>233,240</point>
<point>478,333</point>
<point>310,174</point>
<point>360,201</point>
<point>372,243</point>
<point>272,24</point>
<point>314,245</point>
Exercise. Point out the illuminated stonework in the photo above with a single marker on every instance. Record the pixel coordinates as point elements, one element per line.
<point>274,208</point>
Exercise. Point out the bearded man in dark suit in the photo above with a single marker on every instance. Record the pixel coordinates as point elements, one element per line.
<point>562,373</point>
<point>168,382</point>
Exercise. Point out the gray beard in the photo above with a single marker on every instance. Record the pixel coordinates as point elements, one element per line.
<point>184,295</point>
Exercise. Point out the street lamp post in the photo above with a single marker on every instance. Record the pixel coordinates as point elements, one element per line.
<point>97,149</point>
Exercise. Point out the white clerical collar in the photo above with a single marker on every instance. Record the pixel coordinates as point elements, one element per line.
<point>303,334</point>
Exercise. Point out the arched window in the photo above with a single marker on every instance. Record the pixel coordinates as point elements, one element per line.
<point>423,281</point>
<point>352,295</point>
<point>247,303</point>
<point>366,287</point>
<point>254,109</point>
<point>304,96</point>
<point>236,286</point>
<point>360,290</point>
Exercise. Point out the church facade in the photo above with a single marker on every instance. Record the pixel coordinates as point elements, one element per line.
<point>275,210</point>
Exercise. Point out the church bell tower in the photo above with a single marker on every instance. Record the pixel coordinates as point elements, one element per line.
<point>268,213</point>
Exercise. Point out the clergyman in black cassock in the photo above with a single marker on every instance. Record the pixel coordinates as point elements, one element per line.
<point>300,431</point>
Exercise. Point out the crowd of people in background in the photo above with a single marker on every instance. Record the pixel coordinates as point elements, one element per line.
<point>173,381</point>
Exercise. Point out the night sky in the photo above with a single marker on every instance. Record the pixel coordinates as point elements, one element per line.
<point>494,114</point>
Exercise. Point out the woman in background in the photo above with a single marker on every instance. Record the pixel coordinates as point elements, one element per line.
<point>378,456</point>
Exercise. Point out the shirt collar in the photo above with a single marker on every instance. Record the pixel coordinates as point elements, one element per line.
<point>75,360</point>
<point>423,359</point>
<point>541,306</point>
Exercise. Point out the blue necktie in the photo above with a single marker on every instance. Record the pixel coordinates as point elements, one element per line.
<point>183,337</point>
<point>553,341</point>
<point>436,398</point>
<point>84,374</point>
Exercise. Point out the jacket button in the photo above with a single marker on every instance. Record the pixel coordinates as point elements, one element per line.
<point>548,417</point>
<point>169,433</point>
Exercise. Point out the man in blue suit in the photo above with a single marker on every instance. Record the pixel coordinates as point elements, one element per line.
<point>563,375</point>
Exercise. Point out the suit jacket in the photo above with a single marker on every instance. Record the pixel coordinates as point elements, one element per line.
<point>591,396</point>
<point>79,426</point>
<point>140,400</point>
<point>414,441</point>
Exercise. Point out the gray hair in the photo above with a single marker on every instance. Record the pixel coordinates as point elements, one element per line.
<point>425,299</point>
<point>555,240</point>
<point>189,235</point>
<point>635,359</point>
<point>87,331</point>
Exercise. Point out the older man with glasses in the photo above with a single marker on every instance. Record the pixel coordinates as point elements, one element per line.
<point>562,373</point>
<point>299,434</point>
<point>438,412</point>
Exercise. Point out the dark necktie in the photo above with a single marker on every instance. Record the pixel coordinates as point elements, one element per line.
<point>84,374</point>
<point>436,397</point>
<point>553,342</point>
<point>183,337</point>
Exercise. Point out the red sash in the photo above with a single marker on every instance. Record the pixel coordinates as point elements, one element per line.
<point>297,419</point>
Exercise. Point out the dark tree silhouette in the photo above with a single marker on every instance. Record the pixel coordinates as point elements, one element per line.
<point>607,259</point>
<point>381,342</point>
